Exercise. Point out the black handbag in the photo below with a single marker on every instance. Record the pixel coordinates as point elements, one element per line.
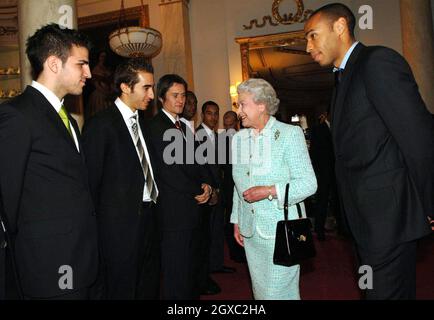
<point>294,241</point>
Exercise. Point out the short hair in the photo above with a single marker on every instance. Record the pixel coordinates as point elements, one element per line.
<point>209,103</point>
<point>334,11</point>
<point>263,93</point>
<point>231,113</point>
<point>166,82</point>
<point>127,72</point>
<point>51,40</point>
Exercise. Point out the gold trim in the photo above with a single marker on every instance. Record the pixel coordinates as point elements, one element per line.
<point>286,19</point>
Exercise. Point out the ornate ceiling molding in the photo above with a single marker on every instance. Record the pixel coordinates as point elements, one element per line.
<point>300,16</point>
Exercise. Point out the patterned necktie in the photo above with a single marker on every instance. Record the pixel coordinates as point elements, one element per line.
<point>64,116</point>
<point>150,184</point>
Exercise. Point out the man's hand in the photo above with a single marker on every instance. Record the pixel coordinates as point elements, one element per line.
<point>255,194</point>
<point>431,222</point>
<point>214,197</point>
<point>238,237</point>
<point>204,197</point>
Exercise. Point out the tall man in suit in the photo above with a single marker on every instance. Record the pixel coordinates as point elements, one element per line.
<point>383,144</point>
<point>46,202</point>
<point>122,172</point>
<point>184,188</point>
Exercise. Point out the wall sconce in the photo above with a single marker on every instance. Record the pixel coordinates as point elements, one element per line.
<point>234,94</point>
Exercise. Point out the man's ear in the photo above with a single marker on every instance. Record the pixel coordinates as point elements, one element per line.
<point>125,88</point>
<point>340,26</point>
<point>53,63</point>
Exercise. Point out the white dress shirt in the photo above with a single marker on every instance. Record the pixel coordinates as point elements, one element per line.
<point>56,103</point>
<point>209,132</point>
<point>127,113</point>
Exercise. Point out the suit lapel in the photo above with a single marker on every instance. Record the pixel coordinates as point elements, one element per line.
<point>127,142</point>
<point>339,95</point>
<point>53,116</point>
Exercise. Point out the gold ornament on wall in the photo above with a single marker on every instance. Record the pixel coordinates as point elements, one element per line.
<point>299,17</point>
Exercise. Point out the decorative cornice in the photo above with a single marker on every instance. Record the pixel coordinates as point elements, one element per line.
<point>300,16</point>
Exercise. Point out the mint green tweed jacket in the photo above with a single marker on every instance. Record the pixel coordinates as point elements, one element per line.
<point>276,156</point>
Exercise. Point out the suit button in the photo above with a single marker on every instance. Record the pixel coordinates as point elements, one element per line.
<point>3,244</point>
<point>248,173</point>
<point>253,211</point>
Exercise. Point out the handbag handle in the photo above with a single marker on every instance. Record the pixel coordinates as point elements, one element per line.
<point>285,205</point>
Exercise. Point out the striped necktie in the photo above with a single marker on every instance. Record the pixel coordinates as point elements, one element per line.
<point>64,116</point>
<point>150,184</point>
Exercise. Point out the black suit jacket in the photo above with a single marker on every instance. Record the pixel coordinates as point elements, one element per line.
<point>383,138</point>
<point>45,197</point>
<point>212,159</point>
<point>178,183</point>
<point>117,182</point>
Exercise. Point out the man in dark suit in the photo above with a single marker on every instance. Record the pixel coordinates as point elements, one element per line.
<point>46,202</point>
<point>121,175</point>
<point>383,144</point>
<point>323,162</point>
<point>213,222</point>
<point>231,126</point>
<point>184,188</point>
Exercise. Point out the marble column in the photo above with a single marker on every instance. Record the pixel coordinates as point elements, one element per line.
<point>175,29</point>
<point>418,45</point>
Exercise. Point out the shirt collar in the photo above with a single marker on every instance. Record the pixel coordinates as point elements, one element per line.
<point>170,116</point>
<point>126,112</point>
<point>190,124</point>
<point>49,95</point>
<point>267,129</point>
<point>208,130</point>
<point>346,57</point>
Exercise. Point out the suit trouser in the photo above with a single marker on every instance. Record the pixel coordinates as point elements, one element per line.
<point>217,237</point>
<point>394,271</point>
<point>204,251</point>
<point>139,277</point>
<point>180,257</point>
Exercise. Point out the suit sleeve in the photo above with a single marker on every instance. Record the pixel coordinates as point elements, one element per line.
<point>393,92</point>
<point>235,207</point>
<point>302,183</point>
<point>95,146</point>
<point>15,146</point>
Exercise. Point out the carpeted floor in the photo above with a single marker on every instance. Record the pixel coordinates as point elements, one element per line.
<point>331,275</point>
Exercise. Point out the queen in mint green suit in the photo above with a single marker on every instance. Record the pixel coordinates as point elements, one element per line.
<point>266,156</point>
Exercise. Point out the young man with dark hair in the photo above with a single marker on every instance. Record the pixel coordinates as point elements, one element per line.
<point>47,208</point>
<point>383,145</point>
<point>121,175</point>
<point>184,189</point>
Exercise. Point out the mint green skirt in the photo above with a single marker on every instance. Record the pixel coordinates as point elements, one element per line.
<point>270,281</point>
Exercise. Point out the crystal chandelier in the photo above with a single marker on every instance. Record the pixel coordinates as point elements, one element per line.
<point>137,41</point>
